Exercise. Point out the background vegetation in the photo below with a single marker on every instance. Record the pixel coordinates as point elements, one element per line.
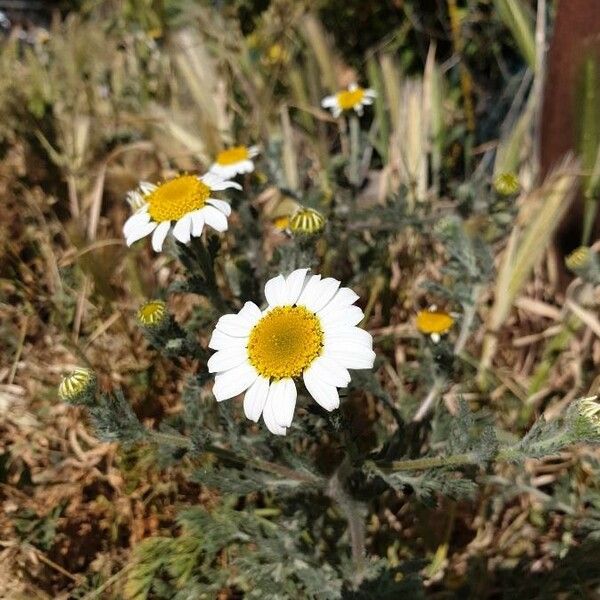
<point>95,96</point>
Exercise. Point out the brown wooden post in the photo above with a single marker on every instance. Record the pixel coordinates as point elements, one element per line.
<point>576,40</point>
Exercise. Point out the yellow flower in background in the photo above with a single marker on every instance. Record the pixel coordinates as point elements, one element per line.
<point>354,98</point>
<point>507,184</point>
<point>234,161</point>
<point>307,330</point>
<point>282,223</point>
<point>434,323</point>
<point>185,200</point>
<point>307,221</point>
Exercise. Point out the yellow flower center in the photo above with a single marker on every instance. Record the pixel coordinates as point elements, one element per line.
<point>232,155</point>
<point>348,99</point>
<point>432,321</point>
<point>177,197</point>
<point>285,342</point>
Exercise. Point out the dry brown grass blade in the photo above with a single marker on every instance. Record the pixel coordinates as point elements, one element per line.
<point>542,210</point>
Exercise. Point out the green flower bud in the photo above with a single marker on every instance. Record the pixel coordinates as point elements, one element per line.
<point>307,221</point>
<point>583,261</point>
<point>79,387</point>
<point>584,418</point>
<point>507,184</point>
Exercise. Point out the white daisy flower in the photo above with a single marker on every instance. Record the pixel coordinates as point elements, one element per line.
<point>185,200</point>
<point>308,330</point>
<point>355,97</point>
<point>234,161</point>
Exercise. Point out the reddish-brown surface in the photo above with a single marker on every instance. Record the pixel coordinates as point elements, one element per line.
<point>576,36</point>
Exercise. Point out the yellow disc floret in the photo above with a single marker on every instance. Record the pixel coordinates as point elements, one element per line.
<point>348,99</point>
<point>285,342</point>
<point>177,197</point>
<point>232,156</point>
<point>433,321</point>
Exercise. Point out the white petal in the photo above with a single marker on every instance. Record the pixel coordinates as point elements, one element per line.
<point>233,382</point>
<point>329,101</point>
<point>234,326</point>
<point>309,293</point>
<point>352,87</point>
<point>197,223</point>
<point>321,294</point>
<point>223,172</point>
<point>223,360</point>
<point>343,298</point>
<point>337,111</point>
<point>140,232</point>
<point>221,205</point>
<point>245,166</point>
<point>342,335</point>
<point>284,401</point>
<point>159,235</point>
<point>135,221</point>
<point>351,356</point>
<point>147,187</point>
<point>253,151</point>
<point>351,315</point>
<point>276,291</point>
<point>183,229</point>
<point>324,394</point>
<point>250,313</point>
<point>269,415</point>
<point>214,182</point>
<point>221,341</point>
<point>215,218</point>
<point>370,93</point>
<point>294,282</point>
<point>359,109</point>
<point>255,398</point>
<point>330,371</point>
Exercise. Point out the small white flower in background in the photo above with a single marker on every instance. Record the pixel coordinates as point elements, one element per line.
<point>354,98</point>
<point>234,161</point>
<point>308,330</point>
<point>184,200</point>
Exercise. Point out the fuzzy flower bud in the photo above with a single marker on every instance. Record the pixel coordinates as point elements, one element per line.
<point>307,221</point>
<point>79,387</point>
<point>584,418</point>
<point>583,261</point>
<point>506,184</point>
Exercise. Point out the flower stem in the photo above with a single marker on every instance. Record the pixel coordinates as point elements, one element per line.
<point>421,464</point>
<point>354,175</point>
<point>208,269</point>
<point>262,465</point>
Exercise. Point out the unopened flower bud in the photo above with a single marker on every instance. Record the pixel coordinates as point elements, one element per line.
<point>153,314</point>
<point>507,184</point>
<point>307,221</point>
<point>79,387</point>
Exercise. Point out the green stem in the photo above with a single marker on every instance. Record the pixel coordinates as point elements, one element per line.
<point>208,269</point>
<point>225,454</point>
<point>422,464</point>
<point>354,151</point>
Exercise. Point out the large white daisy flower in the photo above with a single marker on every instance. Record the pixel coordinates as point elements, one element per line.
<point>234,161</point>
<point>308,330</point>
<point>185,200</point>
<point>355,97</point>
